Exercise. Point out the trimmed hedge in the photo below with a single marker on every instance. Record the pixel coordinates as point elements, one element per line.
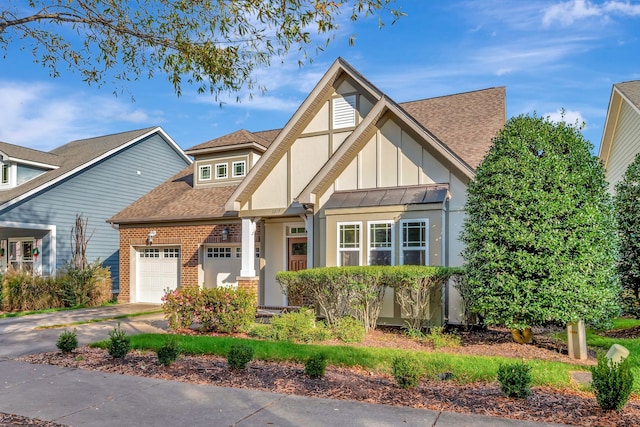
<point>344,291</point>
<point>216,309</point>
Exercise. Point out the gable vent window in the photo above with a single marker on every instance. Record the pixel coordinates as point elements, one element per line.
<point>344,112</point>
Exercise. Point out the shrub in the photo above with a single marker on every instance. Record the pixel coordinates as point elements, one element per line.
<point>239,355</point>
<point>179,306</point>
<point>218,309</point>
<point>90,286</point>
<point>515,379</point>
<point>349,330</point>
<point>261,331</point>
<point>169,352</point>
<point>315,366</point>
<point>22,291</point>
<point>440,339</point>
<point>298,326</point>
<point>612,383</point>
<point>67,341</point>
<point>119,343</point>
<point>406,371</point>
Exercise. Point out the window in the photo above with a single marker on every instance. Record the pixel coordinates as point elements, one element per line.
<point>238,169</point>
<point>415,245</point>
<point>5,174</point>
<point>171,253</point>
<point>219,252</point>
<point>344,112</point>
<point>150,253</point>
<point>381,243</point>
<point>205,173</point>
<point>222,171</point>
<point>21,254</point>
<point>239,252</point>
<point>349,237</point>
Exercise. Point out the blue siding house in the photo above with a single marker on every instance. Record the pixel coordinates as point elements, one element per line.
<point>42,192</point>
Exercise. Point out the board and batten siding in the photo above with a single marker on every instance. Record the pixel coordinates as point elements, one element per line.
<point>625,146</point>
<point>98,193</point>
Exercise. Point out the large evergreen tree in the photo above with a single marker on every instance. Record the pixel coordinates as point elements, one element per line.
<point>540,231</point>
<point>627,207</point>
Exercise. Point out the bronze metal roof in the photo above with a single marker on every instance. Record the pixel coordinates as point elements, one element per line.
<point>409,195</point>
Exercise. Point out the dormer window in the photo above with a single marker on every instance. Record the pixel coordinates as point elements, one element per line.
<point>205,173</point>
<point>344,112</point>
<point>222,171</point>
<point>5,174</point>
<point>239,169</point>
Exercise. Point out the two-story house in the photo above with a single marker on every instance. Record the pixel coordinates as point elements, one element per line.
<point>353,178</point>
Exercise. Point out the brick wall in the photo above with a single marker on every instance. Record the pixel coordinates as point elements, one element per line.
<point>188,237</point>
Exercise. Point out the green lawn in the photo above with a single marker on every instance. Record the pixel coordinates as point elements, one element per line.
<point>465,368</point>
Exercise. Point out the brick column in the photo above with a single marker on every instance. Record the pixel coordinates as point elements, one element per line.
<point>249,284</point>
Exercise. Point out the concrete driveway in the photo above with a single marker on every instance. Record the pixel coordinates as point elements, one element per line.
<point>23,335</point>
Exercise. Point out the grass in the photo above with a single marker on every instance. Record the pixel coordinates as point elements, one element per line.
<point>465,368</point>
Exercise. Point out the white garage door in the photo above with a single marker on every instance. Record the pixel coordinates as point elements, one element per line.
<point>158,270</point>
<point>222,265</point>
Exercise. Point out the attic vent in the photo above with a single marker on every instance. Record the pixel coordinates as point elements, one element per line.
<point>344,112</point>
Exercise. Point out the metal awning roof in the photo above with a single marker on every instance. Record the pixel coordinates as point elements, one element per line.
<point>410,195</point>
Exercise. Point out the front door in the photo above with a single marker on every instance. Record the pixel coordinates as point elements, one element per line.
<point>297,253</point>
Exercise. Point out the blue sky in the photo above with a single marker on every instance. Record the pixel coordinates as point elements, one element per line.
<point>550,55</point>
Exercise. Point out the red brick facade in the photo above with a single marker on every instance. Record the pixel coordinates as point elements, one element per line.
<point>188,237</point>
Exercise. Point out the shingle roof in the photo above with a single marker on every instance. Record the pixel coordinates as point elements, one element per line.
<point>465,122</point>
<point>231,140</point>
<point>631,90</point>
<point>176,199</point>
<point>72,156</point>
<point>28,154</point>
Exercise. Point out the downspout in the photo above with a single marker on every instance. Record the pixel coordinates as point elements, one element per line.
<point>445,256</point>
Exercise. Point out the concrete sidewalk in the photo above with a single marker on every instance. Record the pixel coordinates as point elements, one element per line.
<point>90,398</point>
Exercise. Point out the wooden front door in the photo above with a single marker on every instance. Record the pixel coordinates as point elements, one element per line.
<point>297,253</point>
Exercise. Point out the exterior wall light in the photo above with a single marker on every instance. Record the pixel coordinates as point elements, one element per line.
<point>225,233</point>
<point>150,236</point>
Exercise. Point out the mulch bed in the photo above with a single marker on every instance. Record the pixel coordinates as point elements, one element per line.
<point>545,404</point>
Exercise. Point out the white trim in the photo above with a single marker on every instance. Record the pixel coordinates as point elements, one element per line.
<point>226,169</point>
<point>31,163</point>
<point>392,226</point>
<point>233,168</point>
<point>424,248</point>
<point>340,250</point>
<point>200,169</point>
<point>95,160</point>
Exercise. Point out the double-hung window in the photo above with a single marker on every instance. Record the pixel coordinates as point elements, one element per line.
<point>238,169</point>
<point>222,170</point>
<point>349,241</point>
<point>414,241</point>
<point>381,243</point>
<point>5,173</point>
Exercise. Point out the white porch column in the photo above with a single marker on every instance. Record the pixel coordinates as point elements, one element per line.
<point>308,225</point>
<point>248,247</point>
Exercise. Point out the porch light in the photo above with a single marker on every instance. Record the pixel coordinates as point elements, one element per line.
<point>225,233</point>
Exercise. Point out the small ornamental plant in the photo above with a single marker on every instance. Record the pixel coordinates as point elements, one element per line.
<point>612,383</point>
<point>239,356</point>
<point>315,366</point>
<point>119,343</point>
<point>406,371</point>
<point>67,341</point>
<point>515,380</point>
<point>169,352</point>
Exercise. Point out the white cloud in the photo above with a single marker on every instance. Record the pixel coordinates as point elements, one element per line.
<point>568,116</point>
<point>566,13</point>
<point>44,116</point>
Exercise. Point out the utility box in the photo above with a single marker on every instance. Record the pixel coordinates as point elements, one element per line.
<point>617,353</point>
<point>577,340</point>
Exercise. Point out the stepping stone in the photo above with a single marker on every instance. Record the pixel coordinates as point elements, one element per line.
<point>581,377</point>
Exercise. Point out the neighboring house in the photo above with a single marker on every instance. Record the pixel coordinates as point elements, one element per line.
<point>621,136</point>
<point>352,179</point>
<point>42,192</point>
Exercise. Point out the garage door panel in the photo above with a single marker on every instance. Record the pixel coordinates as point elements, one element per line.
<point>158,270</point>
<point>222,266</point>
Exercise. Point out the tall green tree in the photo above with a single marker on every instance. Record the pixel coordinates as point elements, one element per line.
<point>540,230</point>
<point>213,44</point>
<point>627,207</point>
